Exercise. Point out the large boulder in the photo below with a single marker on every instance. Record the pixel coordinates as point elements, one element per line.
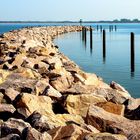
<point>108,122</point>
<point>62,82</point>
<point>10,94</point>
<point>13,126</point>
<point>29,103</point>
<point>70,118</point>
<point>132,110</point>
<point>87,78</point>
<point>44,123</point>
<point>6,111</point>
<point>19,83</point>
<point>112,107</point>
<point>71,132</point>
<point>7,108</point>
<point>18,60</point>
<point>3,75</point>
<point>11,137</point>
<point>32,134</point>
<point>78,88</point>
<point>113,95</point>
<point>79,104</point>
<point>117,86</point>
<point>132,103</point>
<point>42,87</point>
<point>104,136</point>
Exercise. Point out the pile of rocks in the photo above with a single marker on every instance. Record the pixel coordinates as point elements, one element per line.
<point>46,96</point>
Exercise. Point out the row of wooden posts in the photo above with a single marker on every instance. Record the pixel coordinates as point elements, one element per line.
<point>111,28</point>
<point>132,44</point>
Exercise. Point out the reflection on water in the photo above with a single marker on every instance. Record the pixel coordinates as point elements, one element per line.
<point>113,63</point>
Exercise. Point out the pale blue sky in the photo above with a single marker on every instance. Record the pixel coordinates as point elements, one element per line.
<point>52,10</point>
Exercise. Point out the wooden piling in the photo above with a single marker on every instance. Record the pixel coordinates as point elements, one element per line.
<point>101,28</point>
<point>104,44</point>
<point>85,34</point>
<point>109,28</point>
<point>97,27</point>
<point>132,39</point>
<point>91,39</point>
<point>115,28</point>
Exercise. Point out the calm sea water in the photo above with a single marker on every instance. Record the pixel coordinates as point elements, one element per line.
<point>116,65</point>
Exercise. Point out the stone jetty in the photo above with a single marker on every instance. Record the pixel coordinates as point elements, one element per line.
<point>46,96</point>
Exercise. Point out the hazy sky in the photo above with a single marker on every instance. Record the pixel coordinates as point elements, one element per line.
<point>69,9</point>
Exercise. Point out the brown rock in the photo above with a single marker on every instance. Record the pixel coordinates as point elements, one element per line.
<point>7,108</point>
<point>80,89</point>
<point>31,103</point>
<point>1,97</point>
<point>19,83</point>
<point>133,104</point>
<point>69,65</point>
<point>71,132</point>
<point>112,107</point>
<point>42,87</point>
<point>87,79</point>
<point>108,122</point>
<point>70,118</point>
<point>104,136</point>
<point>3,75</point>
<point>10,94</point>
<point>90,128</point>
<point>33,134</point>
<point>117,86</point>
<point>11,137</point>
<point>79,104</point>
<point>53,60</point>
<point>18,60</point>
<point>44,123</point>
<point>132,109</point>
<point>62,82</point>
<point>29,73</point>
<point>112,95</point>
<point>13,126</point>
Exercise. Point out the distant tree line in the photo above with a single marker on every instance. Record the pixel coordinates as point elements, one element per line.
<point>125,20</point>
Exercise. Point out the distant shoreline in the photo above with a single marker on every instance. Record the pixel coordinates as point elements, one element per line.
<point>66,22</point>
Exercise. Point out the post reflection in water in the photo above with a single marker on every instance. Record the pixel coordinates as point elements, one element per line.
<point>132,75</point>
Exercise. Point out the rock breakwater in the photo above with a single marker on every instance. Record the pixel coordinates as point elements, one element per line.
<point>46,96</point>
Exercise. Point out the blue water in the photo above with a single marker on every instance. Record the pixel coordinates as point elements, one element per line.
<point>116,65</point>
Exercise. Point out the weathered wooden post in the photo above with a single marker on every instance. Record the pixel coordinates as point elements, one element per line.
<point>115,28</point>
<point>132,39</point>
<point>109,28</point>
<point>112,27</point>
<point>80,22</point>
<point>104,44</point>
<point>90,39</point>
<point>97,27</point>
<point>101,28</point>
<point>82,33</point>
<point>85,34</point>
